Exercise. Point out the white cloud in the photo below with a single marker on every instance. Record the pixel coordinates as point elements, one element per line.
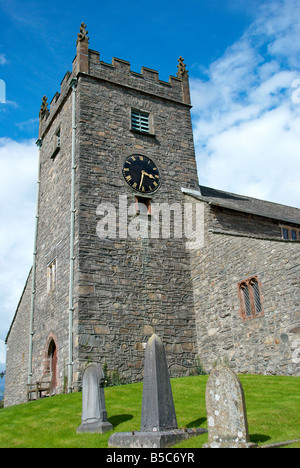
<point>246,125</point>
<point>2,92</point>
<point>3,59</point>
<point>18,173</point>
<point>27,125</point>
<point>259,158</point>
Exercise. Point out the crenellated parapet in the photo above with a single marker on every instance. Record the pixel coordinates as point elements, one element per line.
<point>87,62</point>
<point>119,72</point>
<point>47,114</point>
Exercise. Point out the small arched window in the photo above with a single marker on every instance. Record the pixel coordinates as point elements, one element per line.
<point>250,298</point>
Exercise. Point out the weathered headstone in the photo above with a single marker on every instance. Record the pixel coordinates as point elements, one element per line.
<point>158,421</point>
<point>226,410</point>
<point>94,415</point>
<point>158,411</point>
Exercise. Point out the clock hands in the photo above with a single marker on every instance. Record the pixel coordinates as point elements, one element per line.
<point>143,173</point>
<point>142,178</point>
<point>148,175</point>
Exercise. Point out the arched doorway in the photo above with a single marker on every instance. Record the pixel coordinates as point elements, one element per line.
<point>52,364</point>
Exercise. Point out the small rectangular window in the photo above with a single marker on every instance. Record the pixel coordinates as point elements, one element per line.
<point>58,139</point>
<point>285,233</point>
<point>51,277</point>
<point>289,233</point>
<point>250,298</point>
<point>56,144</point>
<point>140,121</point>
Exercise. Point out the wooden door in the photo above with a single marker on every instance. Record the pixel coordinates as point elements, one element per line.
<point>52,356</point>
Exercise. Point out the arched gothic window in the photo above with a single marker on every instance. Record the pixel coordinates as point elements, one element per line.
<point>250,298</point>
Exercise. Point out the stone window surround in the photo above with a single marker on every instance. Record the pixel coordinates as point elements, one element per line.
<point>241,286</point>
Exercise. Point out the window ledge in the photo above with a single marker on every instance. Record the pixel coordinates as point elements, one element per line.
<point>139,132</point>
<point>245,318</point>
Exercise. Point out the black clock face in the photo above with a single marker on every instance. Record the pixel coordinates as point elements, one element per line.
<point>141,174</point>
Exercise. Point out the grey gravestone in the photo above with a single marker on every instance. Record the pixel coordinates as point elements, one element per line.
<point>94,415</point>
<point>158,422</point>
<point>226,410</point>
<point>158,411</point>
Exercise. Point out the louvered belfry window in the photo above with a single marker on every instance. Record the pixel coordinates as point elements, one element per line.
<point>250,298</point>
<point>140,121</point>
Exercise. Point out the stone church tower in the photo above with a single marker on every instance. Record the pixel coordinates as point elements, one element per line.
<point>111,136</point>
<point>128,244</point>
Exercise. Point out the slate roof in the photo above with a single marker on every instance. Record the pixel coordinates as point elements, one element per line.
<point>244,204</point>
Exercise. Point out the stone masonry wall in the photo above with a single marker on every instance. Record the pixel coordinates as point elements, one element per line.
<point>51,315</point>
<point>51,310</point>
<point>269,344</point>
<point>18,350</point>
<point>126,289</point>
<point>131,288</point>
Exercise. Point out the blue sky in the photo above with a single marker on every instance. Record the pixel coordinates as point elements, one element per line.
<point>243,59</point>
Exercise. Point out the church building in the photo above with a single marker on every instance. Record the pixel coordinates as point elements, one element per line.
<point>128,244</point>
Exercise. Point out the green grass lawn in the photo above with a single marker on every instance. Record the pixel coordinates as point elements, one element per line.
<point>273,410</point>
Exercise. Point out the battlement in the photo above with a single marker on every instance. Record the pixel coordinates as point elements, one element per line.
<point>46,115</point>
<point>119,72</point>
<point>87,63</point>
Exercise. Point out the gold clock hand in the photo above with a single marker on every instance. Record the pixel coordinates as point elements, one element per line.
<point>143,173</point>
<point>148,175</point>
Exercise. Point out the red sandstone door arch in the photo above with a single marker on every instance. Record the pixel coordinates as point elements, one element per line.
<point>52,364</point>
